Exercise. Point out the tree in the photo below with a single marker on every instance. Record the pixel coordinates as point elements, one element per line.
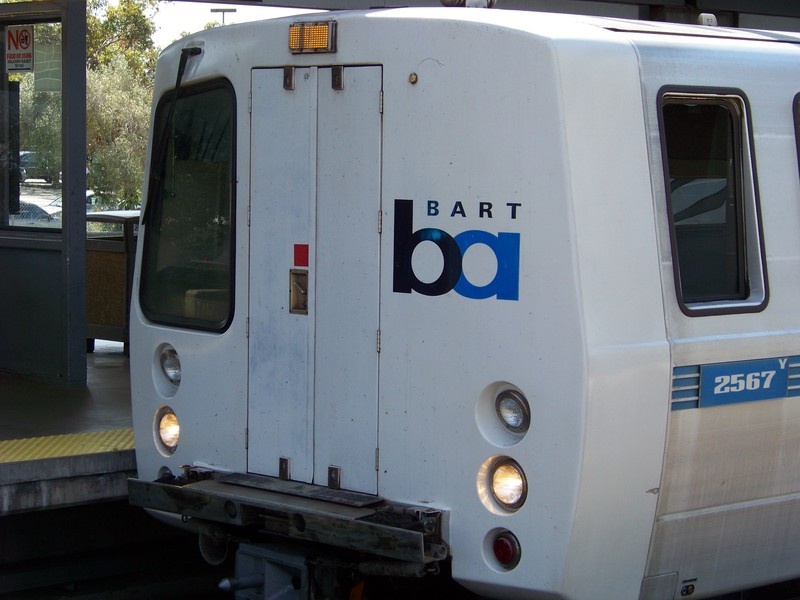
<point>117,115</point>
<point>40,126</point>
<point>124,29</point>
<point>121,59</point>
<point>40,102</point>
<point>120,63</point>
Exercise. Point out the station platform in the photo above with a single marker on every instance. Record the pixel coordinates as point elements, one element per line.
<point>67,445</point>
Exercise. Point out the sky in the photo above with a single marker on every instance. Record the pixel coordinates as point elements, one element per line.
<point>175,18</point>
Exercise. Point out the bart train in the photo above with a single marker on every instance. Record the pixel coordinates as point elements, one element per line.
<point>506,299</point>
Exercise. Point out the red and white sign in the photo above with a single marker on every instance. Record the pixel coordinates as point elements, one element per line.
<point>19,48</point>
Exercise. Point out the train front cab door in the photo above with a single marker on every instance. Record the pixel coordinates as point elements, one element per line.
<point>314,275</point>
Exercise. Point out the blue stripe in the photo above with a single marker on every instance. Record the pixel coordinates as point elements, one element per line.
<point>794,377</point>
<point>682,371</point>
<point>684,405</point>
<point>687,394</point>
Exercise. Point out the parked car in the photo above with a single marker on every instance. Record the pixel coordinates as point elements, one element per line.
<point>31,167</point>
<point>55,207</point>
<point>31,215</point>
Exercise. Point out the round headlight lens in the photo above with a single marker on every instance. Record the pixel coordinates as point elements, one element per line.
<point>513,411</point>
<point>169,429</point>
<point>171,365</point>
<point>508,483</point>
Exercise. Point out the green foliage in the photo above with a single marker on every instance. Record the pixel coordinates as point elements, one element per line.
<point>117,113</point>
<point>120,63</point>
<point>124,29</point>
<point>40,126</point>
<point>121,60</point>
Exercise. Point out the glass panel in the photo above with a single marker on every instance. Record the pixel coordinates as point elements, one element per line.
<point>706,204</point>
<point>33,148</point>
<point>187,263</point>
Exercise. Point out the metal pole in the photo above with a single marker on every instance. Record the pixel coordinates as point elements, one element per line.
<point>223,11</point>
<point>73,153</point>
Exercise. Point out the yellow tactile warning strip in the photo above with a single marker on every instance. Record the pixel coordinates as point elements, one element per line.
<point>70,444</point>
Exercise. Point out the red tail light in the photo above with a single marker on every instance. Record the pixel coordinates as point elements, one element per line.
<point>506,549</point>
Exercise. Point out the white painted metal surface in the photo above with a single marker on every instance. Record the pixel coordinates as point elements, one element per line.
<point>347,249</point>
<point>531,142</point>
<point>281,398</point>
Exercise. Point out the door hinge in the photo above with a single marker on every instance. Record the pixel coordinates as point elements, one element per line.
<point>250,104</point>
<point>377,459</point>
<point>380,222</point>
<point>337,78</point>
<point>246,438</point>
<point>379,341</point>
<point>334,477</point>
<point>247,327</point>
<point>288,78</point>
<point>380,102</point>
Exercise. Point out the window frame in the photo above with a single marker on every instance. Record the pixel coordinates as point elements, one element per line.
<point>796,121</point>
<point>152,210</point>
<point>50,228</point>
<point>752,255</point>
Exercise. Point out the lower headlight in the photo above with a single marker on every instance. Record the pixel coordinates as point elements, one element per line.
<point>508,483</point>
<point>168,430</point>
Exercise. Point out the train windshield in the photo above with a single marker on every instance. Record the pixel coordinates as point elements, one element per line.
<point>187,262</point>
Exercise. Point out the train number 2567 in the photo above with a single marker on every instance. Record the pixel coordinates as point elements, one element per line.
<point>739,382</point>
<point>744,381</point>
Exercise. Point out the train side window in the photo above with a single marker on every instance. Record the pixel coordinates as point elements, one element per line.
<point>712,204</point>
<point>187,263</point>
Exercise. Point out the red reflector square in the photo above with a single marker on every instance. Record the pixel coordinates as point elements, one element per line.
<point>301,255</point>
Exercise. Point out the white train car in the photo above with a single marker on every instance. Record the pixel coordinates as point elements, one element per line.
<point>506,296</point>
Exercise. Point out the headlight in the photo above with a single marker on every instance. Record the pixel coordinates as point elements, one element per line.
<point>503,414</point>
<point>168,430</point>
<point>171,365</point>
<point>508,483</point>
<point>167,370</point>
<point>513,411</point>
